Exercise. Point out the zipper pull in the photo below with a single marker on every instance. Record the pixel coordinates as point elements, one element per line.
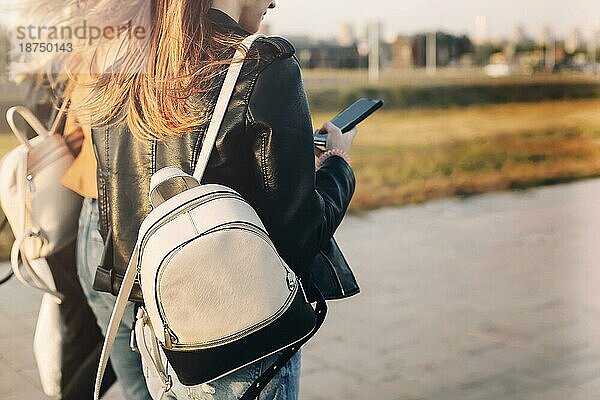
<point>30,183</point>
<point>291,282</point>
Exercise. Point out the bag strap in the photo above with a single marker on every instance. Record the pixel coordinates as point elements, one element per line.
<point>34,122</point>
<point>221,107</point>
<point>259,384</point>
<point>208,143</point>
<point>62,111</point>
<point>115,318</point>
<point>31,120</point>
<point>36,281</point>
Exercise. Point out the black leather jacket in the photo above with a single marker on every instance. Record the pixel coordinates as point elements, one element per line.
<point>264,151</point>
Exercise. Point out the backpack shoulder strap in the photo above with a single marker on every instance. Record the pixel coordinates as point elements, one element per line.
<point>253,392</point>
<point>115,318</point>
<point>221,107</point>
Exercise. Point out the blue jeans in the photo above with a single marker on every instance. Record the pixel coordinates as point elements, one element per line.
<point>284,386</point>
<point>126,363</point>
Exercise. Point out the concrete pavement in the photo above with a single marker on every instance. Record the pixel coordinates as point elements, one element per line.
<point>493,297</point>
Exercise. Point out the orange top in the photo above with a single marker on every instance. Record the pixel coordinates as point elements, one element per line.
<point>81,176</point>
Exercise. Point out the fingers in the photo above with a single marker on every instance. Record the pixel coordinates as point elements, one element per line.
<point>329,127</point>
<point>335,138</point>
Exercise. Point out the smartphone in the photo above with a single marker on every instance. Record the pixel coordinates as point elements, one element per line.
<point>349,118</point>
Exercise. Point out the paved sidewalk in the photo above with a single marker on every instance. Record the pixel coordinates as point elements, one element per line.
<point>494,297</point>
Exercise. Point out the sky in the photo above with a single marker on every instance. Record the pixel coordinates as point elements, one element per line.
<point>322,18</point>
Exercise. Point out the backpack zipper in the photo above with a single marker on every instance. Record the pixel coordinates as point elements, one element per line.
<point>171,340</point>
<point>178,212</point>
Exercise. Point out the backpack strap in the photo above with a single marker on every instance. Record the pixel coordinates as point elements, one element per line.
<point>31,120</point>
<point>259,384</point>
<point>221,107</point>
<point>116,317</point>
<point>36,281</point>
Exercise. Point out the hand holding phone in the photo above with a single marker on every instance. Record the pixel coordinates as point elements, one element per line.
<point>349,118</point>
<point>335,138</point>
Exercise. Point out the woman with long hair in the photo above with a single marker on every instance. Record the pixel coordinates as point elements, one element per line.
<point>153,91</point>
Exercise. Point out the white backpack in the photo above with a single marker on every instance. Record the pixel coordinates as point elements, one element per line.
<point>217,296</point>
<point>43,214</point>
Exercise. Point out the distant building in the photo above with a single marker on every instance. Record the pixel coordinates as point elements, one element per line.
<point>374,40</point>
<point>573,41</point>
<point>325,54</point>
<point>542,52</point>
<point>402,52</point>
<point>545,36</point>
<point>480,30</point>
<point>593,46</point>
<point>450,49</point>
<point>519,35</point>
<point>560,54</point>
<point>346,36</point>
<point>547,43</point>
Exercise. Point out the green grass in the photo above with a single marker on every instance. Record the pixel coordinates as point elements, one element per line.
<point>397,175</point>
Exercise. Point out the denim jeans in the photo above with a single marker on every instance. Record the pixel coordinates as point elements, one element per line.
<point>284,386</point>
<point>126,363</point>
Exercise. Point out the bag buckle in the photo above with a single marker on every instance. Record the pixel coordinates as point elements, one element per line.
<point>167,381</point>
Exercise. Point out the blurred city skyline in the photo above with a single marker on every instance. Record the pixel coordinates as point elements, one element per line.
<point>500,17</point>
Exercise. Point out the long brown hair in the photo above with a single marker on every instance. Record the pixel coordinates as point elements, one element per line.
<point>157,84</point>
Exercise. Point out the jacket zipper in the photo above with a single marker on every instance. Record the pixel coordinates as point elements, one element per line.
<point>339,281</point>
<point>171,339</point>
